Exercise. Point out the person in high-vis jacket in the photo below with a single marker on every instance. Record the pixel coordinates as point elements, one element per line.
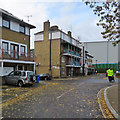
<point>110,74</point>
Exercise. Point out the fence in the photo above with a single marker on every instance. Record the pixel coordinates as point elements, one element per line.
<point>104,67</point>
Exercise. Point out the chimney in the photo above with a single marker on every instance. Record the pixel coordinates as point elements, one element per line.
<point>46,25</point>
<point>69,34</point>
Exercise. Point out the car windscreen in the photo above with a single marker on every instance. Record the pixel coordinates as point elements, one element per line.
<point>41,74</point>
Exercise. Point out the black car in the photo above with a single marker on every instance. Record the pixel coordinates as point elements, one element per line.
<point>45,77</point>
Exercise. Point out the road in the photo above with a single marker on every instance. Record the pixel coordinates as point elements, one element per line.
<point>75,98</point>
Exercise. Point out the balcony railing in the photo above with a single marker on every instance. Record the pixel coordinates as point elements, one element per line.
<point>69,51</point>
<point>73,63</point>
<point>15,55</point>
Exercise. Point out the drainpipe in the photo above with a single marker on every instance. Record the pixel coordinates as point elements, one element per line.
<point>2,68</point>
<point>34,67</point>
<point>50,53</point>
<point>60,51</point>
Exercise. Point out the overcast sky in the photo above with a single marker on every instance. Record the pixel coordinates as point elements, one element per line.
<point>68,15</point>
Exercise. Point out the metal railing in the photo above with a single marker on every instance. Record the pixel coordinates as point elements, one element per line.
<point>69,51</point>
<point>15,55</point>
<point>73,63</point>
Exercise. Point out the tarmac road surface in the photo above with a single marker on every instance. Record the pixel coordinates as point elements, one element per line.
<point>75,98</point>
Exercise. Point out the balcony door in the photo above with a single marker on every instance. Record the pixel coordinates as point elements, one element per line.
<point>14,51</point>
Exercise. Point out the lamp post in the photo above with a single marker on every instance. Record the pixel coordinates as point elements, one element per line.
<point>83,72</point>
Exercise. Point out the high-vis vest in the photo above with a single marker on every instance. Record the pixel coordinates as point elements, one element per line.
<point>110,72</point>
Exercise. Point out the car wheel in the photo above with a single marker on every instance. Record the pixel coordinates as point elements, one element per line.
<point>20,83</point>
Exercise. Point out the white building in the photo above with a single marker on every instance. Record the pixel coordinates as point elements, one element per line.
<point>105,54</point>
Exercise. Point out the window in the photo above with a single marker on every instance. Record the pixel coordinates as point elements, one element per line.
<point>11,74</point>
<point>5,47</point>
<point>22,29</point>
<point>63,70</point>
<point>14,51</point>
<point>25,68</point>
<point>20,67</point>
<point>63,59</point>
<point>23,74</point>
<point>17,73</point>
<point>6,23</point>
<point>22,50</point>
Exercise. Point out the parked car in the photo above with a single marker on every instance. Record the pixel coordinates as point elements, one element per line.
<point>45,76</point>
<point>20,78</point>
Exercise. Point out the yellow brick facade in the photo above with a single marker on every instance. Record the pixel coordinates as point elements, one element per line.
<point>16,37</point>
<point>42,56</point>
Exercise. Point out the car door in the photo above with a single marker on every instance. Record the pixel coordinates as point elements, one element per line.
<point>9,78</point>
<point>17,75</point>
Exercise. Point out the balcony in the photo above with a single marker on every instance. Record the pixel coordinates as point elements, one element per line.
<point>77,54</point>
<point>71,53</point>
<point>13,55</point>
<point>73,64</point>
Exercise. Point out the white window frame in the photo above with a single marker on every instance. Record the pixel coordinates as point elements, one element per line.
<point>62,70</point>
<point>63,59</point>
<point>19,44</point>
<point>21,26</point>
<point>4,25</point>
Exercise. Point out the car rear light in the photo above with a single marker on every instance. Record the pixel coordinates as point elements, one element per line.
<point>26,78</point>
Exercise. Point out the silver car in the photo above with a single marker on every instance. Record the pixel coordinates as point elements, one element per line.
<point>20,78</point>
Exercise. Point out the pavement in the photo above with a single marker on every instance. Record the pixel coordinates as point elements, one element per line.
<point>109,95</point>
<point>111,98</point>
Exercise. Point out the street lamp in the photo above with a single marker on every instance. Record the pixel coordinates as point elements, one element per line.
<point>83,72</point>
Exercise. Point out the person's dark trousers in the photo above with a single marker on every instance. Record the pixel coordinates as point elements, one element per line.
<point>110,78</point>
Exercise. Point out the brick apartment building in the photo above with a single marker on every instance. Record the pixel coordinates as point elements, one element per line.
<point>59,53</point>
<point>14,44</point>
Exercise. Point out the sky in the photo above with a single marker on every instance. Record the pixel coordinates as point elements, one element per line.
<point>68,15</point>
